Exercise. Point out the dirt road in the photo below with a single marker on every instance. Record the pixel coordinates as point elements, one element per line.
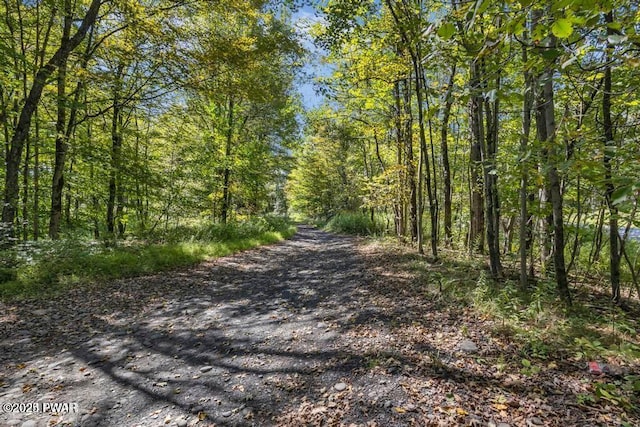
<point>236,341</point>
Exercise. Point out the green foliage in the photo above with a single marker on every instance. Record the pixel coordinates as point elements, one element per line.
<point>614,393</point>
<point>542,326</point>
<point>158,112</point>
<point>354,223</point>
<point>324,179</point>
<point>446,30</point>
<point>48,267</point>
<point>528,368</point>
<point>589,349</point>
<point>7,274</point>
<point>622,392</point>
<point>562,28</point>
<point>219,232</point>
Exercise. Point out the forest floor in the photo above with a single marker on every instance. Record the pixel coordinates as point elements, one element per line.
<point>319,330</point>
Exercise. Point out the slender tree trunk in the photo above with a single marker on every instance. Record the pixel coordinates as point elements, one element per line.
<point>477,226</point>
<point>121,203</point>
<point>410,161</point>
<point>492,110</point>
<point>415,55</point>
<point>430,180</point>
<point>624,239</point>
<point>57,185</point>
<point>525,224</point>
<point>446,167</point>
<point>508,235</point>
<point>25,191</point>
<point>94,205</point>
<point>575,250</point>
<point>116,151</point>
<point>546,111</point>
<point>415,208</point>
<point>137,185</point>
<point>488,152</point>
<point>545,223</point>
<point>40,48</point>
<point>146,182</point>
<point>226,177</point>
<point>422,160</point>
<point>36,180</point>
<point>68,195</point>
<point>609,153</point>
<point>596,247</point>
<point>400,199</point>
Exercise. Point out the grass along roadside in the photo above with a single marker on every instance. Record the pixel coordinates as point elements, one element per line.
<point>49,269</point>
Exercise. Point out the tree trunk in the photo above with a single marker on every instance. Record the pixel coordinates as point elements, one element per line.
<point>491,181</point>
<point>525,224</point>
<point>486,131</point>
<point>546,114</point>
<point>57,185</point>
<point>422,155</point>
<point>431,187</point>
<point>596,246</point>
<point>446,167</point>
<point>226,177</point>
<point>36,181</point>
<point>399,202</point>
<point>137,185</point>
<point>476,229</point>
<point>609,153</point>
<point>68,196</point>
<point>116,151</point>
<point>25,191</point>
<point>409,161</point>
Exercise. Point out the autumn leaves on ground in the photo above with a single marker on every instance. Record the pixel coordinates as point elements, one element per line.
<point>321,329</point>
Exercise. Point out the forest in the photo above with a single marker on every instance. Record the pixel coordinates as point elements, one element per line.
<point>508,129</point>
<point>488,150</point>
<point>129,120</point>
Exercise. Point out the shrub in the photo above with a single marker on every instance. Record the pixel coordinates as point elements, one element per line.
<point>354,223</point>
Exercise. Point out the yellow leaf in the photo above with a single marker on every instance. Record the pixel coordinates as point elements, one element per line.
<point>461,411</point>
<point>399,410</point>
<point>202,416</point>
<point>500,406</point>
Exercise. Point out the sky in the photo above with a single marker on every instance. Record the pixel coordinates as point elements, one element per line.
<point>303,20</point>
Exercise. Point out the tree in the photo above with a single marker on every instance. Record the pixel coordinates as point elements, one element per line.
<point>23,125</point>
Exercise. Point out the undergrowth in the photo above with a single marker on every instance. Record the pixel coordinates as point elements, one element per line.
<point>543,330</point>
<point>41,269</point>
<point>357,223</point>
